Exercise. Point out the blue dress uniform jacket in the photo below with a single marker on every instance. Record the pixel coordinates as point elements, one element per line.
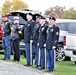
<point>42,35</point>
<point>36,34</point>
<point>52,37</point>
<point>28,31</point>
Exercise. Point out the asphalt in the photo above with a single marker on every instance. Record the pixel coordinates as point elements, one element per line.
<point>10,68</point>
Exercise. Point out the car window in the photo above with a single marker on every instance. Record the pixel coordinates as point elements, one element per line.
<point>21,20</point>
<point>62,26</point>
<point>72,27</point>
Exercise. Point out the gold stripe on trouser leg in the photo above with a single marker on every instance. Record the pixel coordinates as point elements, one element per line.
<point>54,58</point>
<point>39,56</point>
<point>31,59</point>
<point>45,58</point>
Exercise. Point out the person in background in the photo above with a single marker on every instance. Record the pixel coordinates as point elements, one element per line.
<point>35,39</point>
<point>42,41</point>
<point>15,39</point>
<point>6,36</point>
<point>28,35</point>
<point>51,43</point>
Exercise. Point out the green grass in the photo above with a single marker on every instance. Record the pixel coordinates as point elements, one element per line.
<point>65,68</point>
<point>62,67</point>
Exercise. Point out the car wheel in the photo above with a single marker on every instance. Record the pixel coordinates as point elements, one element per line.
<point>60,55</point>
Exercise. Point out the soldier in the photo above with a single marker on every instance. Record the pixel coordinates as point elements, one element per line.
<point>41,41</point>
<point>51,43</point>
<point>35,39</point>
<point>6,36</point>
<point>28,35</point>
<point>15,39</point>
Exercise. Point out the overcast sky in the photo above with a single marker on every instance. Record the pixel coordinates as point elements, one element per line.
<point>45,4</point>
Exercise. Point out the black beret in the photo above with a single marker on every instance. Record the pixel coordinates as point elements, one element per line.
<point>30,14</point>
<point>52,18</point>
<point>42,17</point>
<point>37,17</point>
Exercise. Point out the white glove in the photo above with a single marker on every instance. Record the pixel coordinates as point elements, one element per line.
<point>44,45</point>
<point>31,41</point>
<point>53,47</point>
<point>37,44</point>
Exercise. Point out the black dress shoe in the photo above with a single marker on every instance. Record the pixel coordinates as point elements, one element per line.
<point>3,59</point>
<point>36,66</point>
<point>27,65</point>
<point>15,61</point>
<point>41,68</point>
<point>50,70</point>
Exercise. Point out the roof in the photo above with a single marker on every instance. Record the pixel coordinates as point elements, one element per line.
<point>54,15</point>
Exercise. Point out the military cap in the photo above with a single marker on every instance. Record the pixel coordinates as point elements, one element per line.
<point>37,16</point>
<point>16,18</point>
<point>52,18</point>
<point>42,17</point>
<point>6,15</point>
<point>29,14</point>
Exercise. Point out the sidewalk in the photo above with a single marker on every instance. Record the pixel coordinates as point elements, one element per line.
<point>10,68</point>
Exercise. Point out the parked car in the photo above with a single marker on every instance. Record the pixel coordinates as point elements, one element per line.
<point>70,43</point>
<point>65,25</point>
<point>1,33</point>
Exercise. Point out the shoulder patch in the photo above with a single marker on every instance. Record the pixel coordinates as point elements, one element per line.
<point>57,33</point>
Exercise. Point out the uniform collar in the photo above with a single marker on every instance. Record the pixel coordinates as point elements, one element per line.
<point>30,20</point>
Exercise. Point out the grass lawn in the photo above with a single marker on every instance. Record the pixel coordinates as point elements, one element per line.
<point>61,67</point>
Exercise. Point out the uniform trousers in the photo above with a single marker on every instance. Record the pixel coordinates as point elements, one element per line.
<point>42,58</point>
<point>27,49</point>
<point>50,59</point>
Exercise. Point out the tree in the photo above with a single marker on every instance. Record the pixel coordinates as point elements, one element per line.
<point>18,5</point>
<point>13,5</point>
<point>69,14</point>
<point>58,10</point>
<point>6,7</point>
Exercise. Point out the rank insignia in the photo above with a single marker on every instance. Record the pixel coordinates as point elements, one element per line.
<point>51,30</point>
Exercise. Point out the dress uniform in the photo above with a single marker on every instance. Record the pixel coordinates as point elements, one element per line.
<point>41,42</point>
<point>35,40</point>
<point>51,42</point>
<point>15,39</point>
<point>6,36</point>
<point>28,35</point>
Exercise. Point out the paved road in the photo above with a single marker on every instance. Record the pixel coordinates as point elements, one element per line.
<point>10,68</point>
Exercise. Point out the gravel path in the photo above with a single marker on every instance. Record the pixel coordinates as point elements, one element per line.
<point>10,68</point>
